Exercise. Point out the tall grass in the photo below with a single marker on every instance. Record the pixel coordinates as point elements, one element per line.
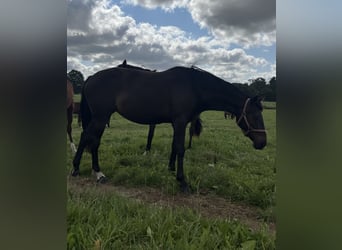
<point>108,221</point>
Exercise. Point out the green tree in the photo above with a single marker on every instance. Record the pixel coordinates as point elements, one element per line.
<point>77,80</point>
<point>258,86</point>
<point>272,89</point>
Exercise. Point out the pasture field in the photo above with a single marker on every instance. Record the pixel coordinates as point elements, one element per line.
<point>233,190</point>
<point>77,98</point>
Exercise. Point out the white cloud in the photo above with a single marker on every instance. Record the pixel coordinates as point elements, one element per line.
<point>167,5</point>
<point>102,36</point>
<point>244,22</point>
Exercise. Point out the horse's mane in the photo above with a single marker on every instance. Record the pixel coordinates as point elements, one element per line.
<point>223,82</point>
<point>128,66</point>
<point>204,71</point>
<point>198,68</point>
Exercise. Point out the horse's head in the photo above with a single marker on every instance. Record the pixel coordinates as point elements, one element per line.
<point>252,123</point>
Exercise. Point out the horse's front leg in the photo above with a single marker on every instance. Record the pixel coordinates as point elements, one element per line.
<point>77,158</point>
<point>179,149</point>
<point>172,161</point>
<point>149,138</point>
<point>191,134</point>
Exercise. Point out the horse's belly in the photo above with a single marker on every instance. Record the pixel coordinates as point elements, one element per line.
<point>144,110</point>
<point>145,119</point>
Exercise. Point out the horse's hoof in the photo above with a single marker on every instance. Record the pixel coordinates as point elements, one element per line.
<point>102,180</point>
<point>185,189</point>
<point>100,177</point>
<point>172,169</point>
<point>75,173</point>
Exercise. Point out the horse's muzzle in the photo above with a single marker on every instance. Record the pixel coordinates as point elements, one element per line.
<point>259,141</point>
<point>259,145</point>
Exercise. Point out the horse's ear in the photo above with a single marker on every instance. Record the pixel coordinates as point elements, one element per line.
<point>261,98</point>
<point>257,99</point>
<point>124,62</point>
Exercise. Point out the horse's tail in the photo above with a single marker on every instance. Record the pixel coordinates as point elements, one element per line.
<point>84,113</point>
<point>196,126</point>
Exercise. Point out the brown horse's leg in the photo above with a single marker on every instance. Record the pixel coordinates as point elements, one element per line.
<point>69,128</point>
<point>150,137</point>
<point>178,147</point>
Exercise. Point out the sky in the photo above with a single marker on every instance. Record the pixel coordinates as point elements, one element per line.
<point>233,39</point>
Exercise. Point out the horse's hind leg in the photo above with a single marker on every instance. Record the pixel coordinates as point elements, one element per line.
<point>90,138</point>
<point>178,148</point>
<point>96,129</point>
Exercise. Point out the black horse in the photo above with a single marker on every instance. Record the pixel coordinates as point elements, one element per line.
<point>195,128</point>
<point>173,96</point>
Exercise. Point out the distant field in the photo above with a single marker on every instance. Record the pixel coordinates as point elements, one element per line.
<point>77,98</point>
<point>267,105</point>
<point>222,164</point>
<point>270,105</point>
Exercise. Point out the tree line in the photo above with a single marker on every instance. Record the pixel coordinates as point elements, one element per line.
<point>258,86</point>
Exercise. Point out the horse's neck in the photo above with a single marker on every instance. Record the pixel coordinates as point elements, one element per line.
<point>222,96</point>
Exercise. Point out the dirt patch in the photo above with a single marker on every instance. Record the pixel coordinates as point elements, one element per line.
<point>207,205</point>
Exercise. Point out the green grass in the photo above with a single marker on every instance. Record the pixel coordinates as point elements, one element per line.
<point>270,105</point>
<point>222,162</point>
<point>108,221</point>
<point>222,159</point>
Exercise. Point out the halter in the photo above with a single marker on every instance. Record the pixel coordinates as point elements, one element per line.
<point>249,127</point>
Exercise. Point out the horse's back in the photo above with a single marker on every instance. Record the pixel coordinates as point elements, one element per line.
<point>140,96</point>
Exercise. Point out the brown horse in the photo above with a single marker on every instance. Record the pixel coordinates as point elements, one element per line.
<point>173,96</point>
<point>70,107</point>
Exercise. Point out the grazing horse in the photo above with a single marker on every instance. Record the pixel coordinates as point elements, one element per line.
<point>195,126</point>
<point>70,107</point>
<point>175,96</point>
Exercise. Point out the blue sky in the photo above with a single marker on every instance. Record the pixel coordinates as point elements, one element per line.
<point>233,40</point>
<point>179,17</point>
